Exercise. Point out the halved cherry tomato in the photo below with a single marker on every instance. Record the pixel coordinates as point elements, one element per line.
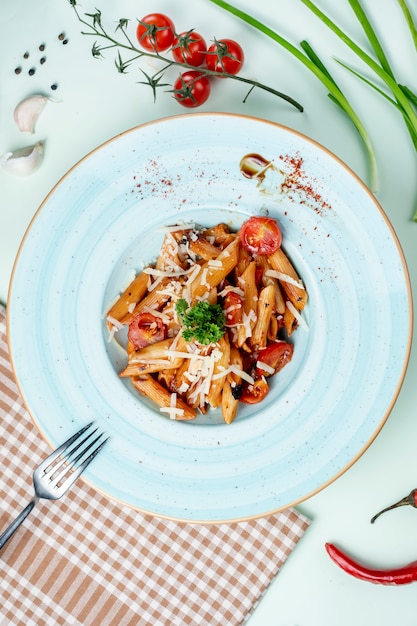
<point>252,394</point>
<point>276,355</point>
<point>225,55</point>
<point>260,235</point>
<point>189,47</point>
<point>156,32</point>
<point>191,89</point>
<point>145,329</point>
<point>233,308</point>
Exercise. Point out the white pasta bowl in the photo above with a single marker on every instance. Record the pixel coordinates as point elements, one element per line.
<point>105,218</point>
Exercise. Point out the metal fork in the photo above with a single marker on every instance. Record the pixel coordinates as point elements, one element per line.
<point>59,471</point>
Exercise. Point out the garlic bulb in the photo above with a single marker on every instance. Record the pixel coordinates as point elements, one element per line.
<point>24,161</point>
<point>27,112</point>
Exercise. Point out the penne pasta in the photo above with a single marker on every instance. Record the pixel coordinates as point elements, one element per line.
<point>262,262</point>
<point>151,388</point>
<point>169,254</point>
<point>198,319</point>
<point>131,295</point>
<point>290,322</point>
<point>266,304</point>
<point>250,304</point>
<point>293,288</point>
<point>227,260</point>
<point>219,235</point>
<point>229,403</point>
<point>204,249</point>
<point>216,386</point>
<point>154,300</point>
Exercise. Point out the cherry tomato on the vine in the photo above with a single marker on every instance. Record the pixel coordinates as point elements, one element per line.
<point>146,329</point>
<point>260,235</point>
<point>155,32</point>
<point>189,47</point>
<point>191,89</point>
<point>252,394</point>
<point>225,55</point>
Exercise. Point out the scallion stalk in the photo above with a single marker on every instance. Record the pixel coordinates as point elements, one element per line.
<point>400,96</point>
<point>318,69</point>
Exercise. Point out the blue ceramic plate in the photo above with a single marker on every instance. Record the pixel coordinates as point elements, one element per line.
<point>104,219</point>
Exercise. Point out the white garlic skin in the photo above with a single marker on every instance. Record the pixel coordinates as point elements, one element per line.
<point>28,111</point>
<point>24,161</point>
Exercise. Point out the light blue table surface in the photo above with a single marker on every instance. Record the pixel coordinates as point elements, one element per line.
<point>94,103</point>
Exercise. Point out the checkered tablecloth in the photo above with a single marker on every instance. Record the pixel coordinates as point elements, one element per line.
<point>86,560</point>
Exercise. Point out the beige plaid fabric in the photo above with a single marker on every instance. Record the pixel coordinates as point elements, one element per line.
<point>86,560</point>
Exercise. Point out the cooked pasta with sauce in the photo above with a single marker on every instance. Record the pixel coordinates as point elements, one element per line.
<point>210,322</point>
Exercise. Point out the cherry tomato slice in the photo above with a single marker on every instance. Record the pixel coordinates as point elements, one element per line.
<point>276,355</point>
<point>145,329</point>
<point>233,308</point>
<point>189,47</point>
<point>260,235</point>
<point>191,89</point>
<point>252,394</point>
<point>225,55</point>
<point>155,32</point>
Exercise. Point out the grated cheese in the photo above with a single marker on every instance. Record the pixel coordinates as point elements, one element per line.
<point>285,278</point>
<point>165,318</point>
<point>163,273</point>
<point>235,370</point>
<point>265,367</point>
<point>155,284</point>
<point>114,322</point>
<point>193,274</point>
<point>246,319</point>
<point>111,334</point>
<point>204,278</point>
<point>183,355</point>
<point>297,314</point>
<point>171,411</point>
<point>215,263</point>
<point>183,388</point>
<point>232,289</point>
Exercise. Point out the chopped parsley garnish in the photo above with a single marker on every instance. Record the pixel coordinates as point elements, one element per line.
<point>204,322</point>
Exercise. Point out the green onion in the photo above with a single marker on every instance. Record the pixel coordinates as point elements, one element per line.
<point>383,71</point>
<point>400,96</point>
<point>317,68</point>
<point>409,20</point>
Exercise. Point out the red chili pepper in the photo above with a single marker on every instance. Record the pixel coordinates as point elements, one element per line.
<point>411,499</point>
<point>397,576</point>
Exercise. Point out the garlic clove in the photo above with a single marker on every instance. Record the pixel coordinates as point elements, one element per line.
<point>24,161</point>
<point>27,112</point>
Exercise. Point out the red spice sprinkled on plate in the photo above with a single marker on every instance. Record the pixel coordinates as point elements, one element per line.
<point>299,182</point>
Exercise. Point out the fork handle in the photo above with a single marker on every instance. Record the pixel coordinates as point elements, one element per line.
<point>4,537</point>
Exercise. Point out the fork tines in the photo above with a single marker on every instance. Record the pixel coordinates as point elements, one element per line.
<point>73,456</point>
